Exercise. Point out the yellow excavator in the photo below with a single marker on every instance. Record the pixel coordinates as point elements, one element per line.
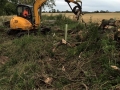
<point>20,24</point>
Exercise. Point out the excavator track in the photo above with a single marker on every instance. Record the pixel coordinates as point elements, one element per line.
<point>19,33</point>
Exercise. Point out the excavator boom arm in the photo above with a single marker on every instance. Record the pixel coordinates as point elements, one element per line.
<point>39,3</point>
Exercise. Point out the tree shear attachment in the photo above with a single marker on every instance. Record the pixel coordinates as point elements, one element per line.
<point>77,10</point>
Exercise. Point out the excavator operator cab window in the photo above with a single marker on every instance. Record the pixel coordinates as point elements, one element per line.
<point>25,12</point>
<point>19,11</point>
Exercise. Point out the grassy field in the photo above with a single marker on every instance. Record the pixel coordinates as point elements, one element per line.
<point>45,62</point>
<point>95,16</point>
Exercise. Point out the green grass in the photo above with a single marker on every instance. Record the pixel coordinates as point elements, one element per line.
<point>31,59</point>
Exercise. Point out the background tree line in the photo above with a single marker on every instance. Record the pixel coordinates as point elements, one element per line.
<point>69,11</point>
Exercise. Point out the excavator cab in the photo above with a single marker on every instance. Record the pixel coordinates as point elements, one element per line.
<point>22,8</point>
<point>20,23</point>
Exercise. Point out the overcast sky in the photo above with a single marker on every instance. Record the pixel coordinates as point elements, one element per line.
<point>91,5</point>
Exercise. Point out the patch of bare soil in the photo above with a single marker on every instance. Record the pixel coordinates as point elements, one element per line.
<point>3,59</point>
